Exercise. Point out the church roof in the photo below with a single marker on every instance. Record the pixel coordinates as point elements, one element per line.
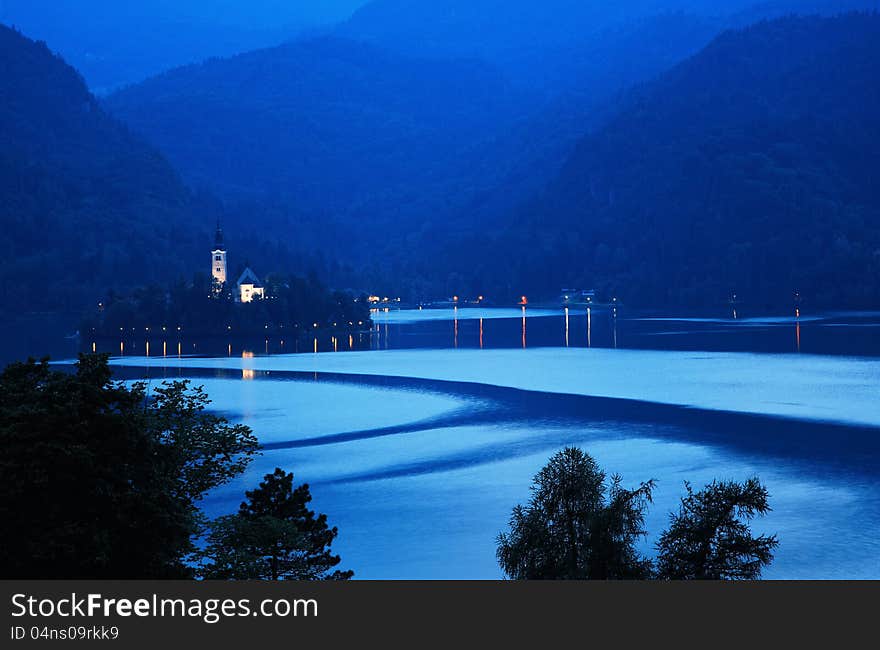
<point>249,277</point>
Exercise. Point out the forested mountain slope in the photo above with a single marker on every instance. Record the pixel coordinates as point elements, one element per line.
<point>752,167</point>
<point>327,125</point>
<point>83,203</point>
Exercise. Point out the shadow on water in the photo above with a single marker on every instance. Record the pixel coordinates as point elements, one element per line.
<point>561,419</point>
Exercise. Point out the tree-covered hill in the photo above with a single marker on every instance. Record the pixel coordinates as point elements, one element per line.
<point>87,207</point>
<point>579,55</point>
<point>326,124</point>
<point>393,135</point>
<point>393,148</point>
<point>750,168</point>
<point>83,203</point>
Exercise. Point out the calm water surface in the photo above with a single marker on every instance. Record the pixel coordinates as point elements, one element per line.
<point>420,474</point>
<point>843,333</point>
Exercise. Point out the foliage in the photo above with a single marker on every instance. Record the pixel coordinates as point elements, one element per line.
<point>100,480</point>
<point>274,536</point>
<point>294,303</point>
<point>576,526</point>
<point>709,538</point>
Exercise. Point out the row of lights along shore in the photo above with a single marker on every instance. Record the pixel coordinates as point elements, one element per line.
<point>228,327</point>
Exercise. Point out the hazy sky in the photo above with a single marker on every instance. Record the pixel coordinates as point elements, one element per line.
<point>244,13</point>
<point>116,42</point>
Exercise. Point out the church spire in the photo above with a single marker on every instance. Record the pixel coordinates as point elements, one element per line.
<point>218,237</point>
<point>218,261</point>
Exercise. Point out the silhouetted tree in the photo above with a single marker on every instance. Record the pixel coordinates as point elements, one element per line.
<point>274,536</point>
<point>100,480</point>
<point>576,525</point>
<point>710,538</point>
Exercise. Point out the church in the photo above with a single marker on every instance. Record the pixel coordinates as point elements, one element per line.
<point>248,288</point>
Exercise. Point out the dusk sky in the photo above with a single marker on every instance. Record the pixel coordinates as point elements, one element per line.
<point>115,43</point>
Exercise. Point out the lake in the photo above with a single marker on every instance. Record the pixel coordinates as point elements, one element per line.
<point>419,437</point>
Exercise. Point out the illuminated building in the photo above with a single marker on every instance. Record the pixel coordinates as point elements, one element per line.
<point>250,287</point>
<point>218,262</point>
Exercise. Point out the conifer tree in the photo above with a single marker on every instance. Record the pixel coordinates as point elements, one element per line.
<point>710,538</point>
<point>273,536</point>
<point>577,525</point>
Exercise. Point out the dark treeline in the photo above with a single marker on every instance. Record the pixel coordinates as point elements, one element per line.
<point>101,480</point>
<point>293,304</point>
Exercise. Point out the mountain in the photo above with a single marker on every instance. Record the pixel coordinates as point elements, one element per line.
<point>414,127</point>
<point>770,9</point>
<point>576,55</point>
<point>331,126</point>
<point>396,146</point>
<point>749,168</point>
<point>526,157</point>
<point>115,43</point>
<point>84,204</point>
<point>542,45</point>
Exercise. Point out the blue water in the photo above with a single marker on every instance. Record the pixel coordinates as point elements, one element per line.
<point>419,453</point>
<point>826,333</point>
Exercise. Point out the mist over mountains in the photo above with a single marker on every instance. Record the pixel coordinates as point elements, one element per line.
<point>114,43</point>
<point>666,151</point>
<point>544,45</point>
<point>559,44</point>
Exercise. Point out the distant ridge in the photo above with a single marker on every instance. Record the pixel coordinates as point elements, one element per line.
<point>752,167</point>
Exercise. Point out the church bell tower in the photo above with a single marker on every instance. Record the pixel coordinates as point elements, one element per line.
<point>218,261</point>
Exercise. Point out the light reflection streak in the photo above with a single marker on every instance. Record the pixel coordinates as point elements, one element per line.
<point>566,328</point>
<point>248,374</point>
<point>589,327</point>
